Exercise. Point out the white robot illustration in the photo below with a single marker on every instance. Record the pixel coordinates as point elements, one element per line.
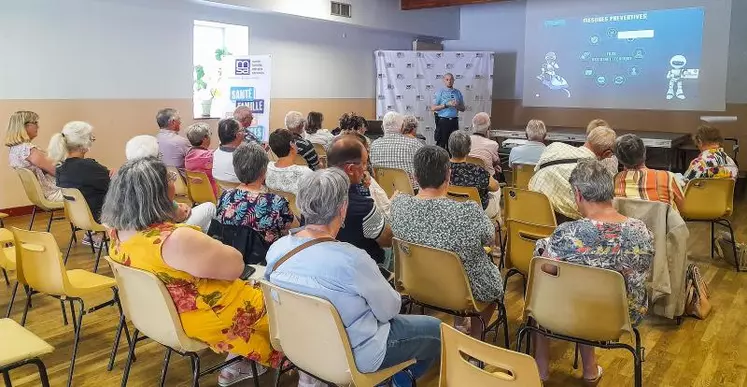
<point>549,77</point>
<point>676,74</point>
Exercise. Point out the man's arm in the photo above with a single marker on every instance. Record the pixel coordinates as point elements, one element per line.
<point>437,105</point>
<point>460,102</point>
<point>384,301</point>
<point>308,153</point>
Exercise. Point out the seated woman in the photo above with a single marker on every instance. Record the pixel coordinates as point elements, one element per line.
<point>712,162</point>
<point>249,205</point>
<point>604,239</point>
<point>355,124</point>
<point>201,274</point>
<point>350,280</point>
<point>466,174</point>
<point>284,174</point>
<point>23,128</point>
<point>431,218</point>
<point>638,182</point>
<point>314,131</point>
<point>199,157</point>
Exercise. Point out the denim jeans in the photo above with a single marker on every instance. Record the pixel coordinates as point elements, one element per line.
<point>412,337</point>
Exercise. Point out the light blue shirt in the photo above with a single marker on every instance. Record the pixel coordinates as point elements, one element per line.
<point>348,278</point>
<point>528,153</point>
<point>445,95</point>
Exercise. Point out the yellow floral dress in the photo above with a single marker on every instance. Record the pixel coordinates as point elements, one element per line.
<point>229,316</point>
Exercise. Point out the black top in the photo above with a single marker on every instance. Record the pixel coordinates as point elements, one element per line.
<point>363,223</point>
<point>89,177</point>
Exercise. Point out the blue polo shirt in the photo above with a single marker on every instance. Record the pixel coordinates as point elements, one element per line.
<point>445,95</point>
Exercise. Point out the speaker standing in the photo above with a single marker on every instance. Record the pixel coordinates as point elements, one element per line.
<point>447,103</point>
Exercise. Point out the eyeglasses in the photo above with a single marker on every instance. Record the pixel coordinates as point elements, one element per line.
<point>171,176</point>
<point>31,122</point>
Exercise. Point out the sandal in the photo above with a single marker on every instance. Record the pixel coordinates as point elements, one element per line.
<point>238,372</point>
<point>593,382</point>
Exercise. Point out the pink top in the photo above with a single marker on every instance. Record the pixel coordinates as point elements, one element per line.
<point>486,150</point>
<point>201,160</point>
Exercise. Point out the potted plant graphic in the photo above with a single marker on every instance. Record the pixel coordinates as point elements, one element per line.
<point>207,81</point>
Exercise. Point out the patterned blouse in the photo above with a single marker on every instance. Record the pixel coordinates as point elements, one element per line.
<point>285,179</point>
<point>266,213</point>
<point>454,226</point>
<point>471,175</point>
<point>18,158</point>
<point>626,247</point>
<point>712,164</point>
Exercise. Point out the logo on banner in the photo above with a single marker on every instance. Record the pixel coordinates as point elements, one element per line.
<point>468,87</point>
<point>449,66</point>
<point>420,118</point>
<point>381,97</point>
<point>468,66</point>
<point>380,76</point>
<point>408,87</point>
<point>400,76</point>
<point>408,108</point>
<point>478,76</point>
<point>241,93</point>
<point>243,67</point>
<point>429,87</point>
<point>389,107</point>
<point>398,97</point>
<point>429,65</point>
<point>390,87</point>
<point>420,55</point>
<point>459,76</point>
<point>419,98</point>
<point>400,55</point>
<point>479,98</point>
<point>439,55</point>
<point>409,66</point>
<point>257,105</point>
<point>439,76</point>
<point>460,55</point>
<point>479,55</point>
<point>389,65</point>
<point>380,54</point>
<point>419,76</point>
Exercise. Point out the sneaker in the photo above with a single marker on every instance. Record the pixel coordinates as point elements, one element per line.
<point>238,372</point>
<point>96,241</point>
<point>306,380</point>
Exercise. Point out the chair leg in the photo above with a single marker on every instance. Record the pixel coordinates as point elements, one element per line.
<point>5,274</point>
<point>122,326</point>
<point>64,314</point>
<point>51,218</point>
<point>511,272</point>
<point>70,245</point>
<point>504,317</point>
<point>713,247</point>
<point>42,371</point>
<point>93,248</point>
<point>6,378</point>
<point>195,369</point>
<point>733,244</point>
<point>33,216</point>
<point>575,358</point>
<point>255,373</point>
<point>165,368</point>
<point>482,330</point>
<point>98,255</point>
<point>77,324</point>
<point>28,304</point>
<point>638,359</point>
<point>12,298</point>
<point>130,355</point>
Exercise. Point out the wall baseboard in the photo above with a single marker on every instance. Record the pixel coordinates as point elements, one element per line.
<point>18,211</point>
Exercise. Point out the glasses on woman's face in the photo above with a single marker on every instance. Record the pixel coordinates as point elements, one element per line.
<point>31,123</point>
<point>171,176</point>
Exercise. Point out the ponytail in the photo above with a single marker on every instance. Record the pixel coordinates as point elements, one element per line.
<point>57,150</point>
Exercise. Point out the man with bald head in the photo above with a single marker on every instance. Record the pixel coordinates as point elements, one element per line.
<point>447,103</point>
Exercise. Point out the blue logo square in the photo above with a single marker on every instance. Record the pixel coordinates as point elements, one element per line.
<point>243,67</point>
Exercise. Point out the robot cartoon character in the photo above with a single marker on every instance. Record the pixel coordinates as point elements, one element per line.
<point>675,75</point>
<point>549,77</point>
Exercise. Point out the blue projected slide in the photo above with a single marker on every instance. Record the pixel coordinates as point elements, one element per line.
<point>646,59</point>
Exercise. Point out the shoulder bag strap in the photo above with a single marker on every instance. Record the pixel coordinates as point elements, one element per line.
<point>557,162</point>
<point>299,248</point>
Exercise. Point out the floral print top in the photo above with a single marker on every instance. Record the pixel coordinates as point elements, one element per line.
<point>471,175</point>
<point>712,164</point>
<point>18,158</point>
<point>626,247</point>
<point>266,213</point>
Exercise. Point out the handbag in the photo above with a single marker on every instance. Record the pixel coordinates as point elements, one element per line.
<point>725,249</point>
<point>697,304</point>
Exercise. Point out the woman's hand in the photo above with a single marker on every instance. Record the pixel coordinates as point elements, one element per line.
<point>183,212</point>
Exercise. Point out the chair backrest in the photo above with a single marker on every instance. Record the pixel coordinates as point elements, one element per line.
<point>392,179</point>
<point>290,197</point>
<point>423,273</point>
<point>322,153</point>
<point>521,174</point>
<point>199,188</point>
<point>522,237</point>
<point>303,325</point>
<point>299,160</point>
<point>147,303</point>
<point>33,190</point>
<point>477,161</point>
<point>39,262</point>
<point>179,184</point>
<point>528,206</point>
<point>78,212</point>
<point>513,369</point>
<point>578,301</point>
<point>464,194</point>
<point>6,238</point>
<point>226,185</point>
<point>707,199</point>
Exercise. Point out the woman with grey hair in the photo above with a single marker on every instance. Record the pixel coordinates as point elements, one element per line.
<point>603,238</point>
<point>349,278</point>
<point>530,152</point>
<point>466,174</point>
<point>200,157</point>
<point>249,205</point>
<point>482,146</point>
<point>205,278</point>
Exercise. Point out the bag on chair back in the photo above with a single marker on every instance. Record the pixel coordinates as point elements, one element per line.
<point>697,304</point>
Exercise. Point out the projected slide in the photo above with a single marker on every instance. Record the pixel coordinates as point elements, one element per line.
<point>635,59</point>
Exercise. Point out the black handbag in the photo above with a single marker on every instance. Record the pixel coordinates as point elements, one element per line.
<point>245,239</point>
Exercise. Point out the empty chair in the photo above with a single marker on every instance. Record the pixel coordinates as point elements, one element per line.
<point>36,196</point>
<point>522,238</point>
<point>8,262</point>
<point>521,174</point>
<point>528,206</point>
<point>81,219</point>
<point>199,188</point>
<point>393,180</point>
<point>21,347</point>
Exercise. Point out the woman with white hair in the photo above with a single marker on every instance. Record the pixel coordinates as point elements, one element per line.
<point>483,147</point>
<point>530,152</point>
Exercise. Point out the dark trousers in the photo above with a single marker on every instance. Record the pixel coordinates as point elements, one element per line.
<point>444,128</point>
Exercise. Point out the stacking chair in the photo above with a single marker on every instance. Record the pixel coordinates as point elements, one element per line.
<point>422,273</point>
<point>299,160</point>
<point>710,200</point>
<point>321,152</point>
<point>477,161</point>
<point>514,369</point>
<point>392,179</point>
<point>8,262</point>
<point>81,219</point>
<point>303,326</point>
<point>528,206</point>
<point>521,174</point>
<point>148,305</point>
<point>290,197</point>
<point>581,304</point>
<point>41,271</point>
<point>464,194</point>
<point>21,347</point>
<point>226,185</point>
<point>522,238</point>
<point>36,197</point>
<point>2,216</point>
<point>199,188</point>
<point>182,192</point>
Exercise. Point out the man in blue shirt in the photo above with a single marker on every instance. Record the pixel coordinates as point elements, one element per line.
<point>447,103</point>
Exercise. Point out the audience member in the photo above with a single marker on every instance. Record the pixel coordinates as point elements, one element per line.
<point>230,136</point>
<point>245,117</point>
<point>530,152</point>
<point>284,174</point>
<point>314,131</point>
<point>603,238</point>
<point>712,162</point>
<point>483,147</point>
<point>173,147</point>
<point>200,157</point>
<point>558,161</point>
<point>398,146</point>
<point>142,146</point>
<point>295,122</point>
<point>638,182</point>
<point>203,276</point>
<point>352,122</point>
<point>365,225</point>
<point>23,127</point>
<point>466,174</point>
<point>349,279</point>
<point>432,219</point>
<point>610,162</point>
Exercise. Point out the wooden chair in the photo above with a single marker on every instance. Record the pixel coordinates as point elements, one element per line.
<point>522,238</point>
<point>21,347</point>
<point>521,174</point>
<point>34,193</point>
<point>392,180</point>
<point>199,188</point>
<point>81,219</point>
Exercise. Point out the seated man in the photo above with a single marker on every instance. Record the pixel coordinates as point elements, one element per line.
<point>466,174</point>
<point>483,147</point>
<point>284,174</point>
<point>172,146</point>
<point>366,226</point>
<point>712,162</point>
<point>398,146</point>
<point>558,161</point>
<point>295,122</point>
<point>245,117</point>
<point>530,152</point>
<point>638,182</point>
<point>231,136</point>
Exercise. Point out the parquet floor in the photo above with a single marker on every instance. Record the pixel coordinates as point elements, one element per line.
<point>697,353</point>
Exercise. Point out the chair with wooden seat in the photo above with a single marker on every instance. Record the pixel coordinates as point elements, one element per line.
<point>514,369</point>
<point>392,180</point>
<point>464,194</point>
<point>321,152</point>
<point>422,273</point>
<point>20,347</point>
<point>2,217</point>
<point>521,174</point>
<point>8,262</point>
<point>528,206</point>
<point>305,326</point>
<point>199,188</point>
<point>81,219</point>
<point>181,190</point>
<point>41,271</point>
<point>226,185</point>
<point>34,193</point>
<point>581,304</point>
<point>149,306</point>
<point>710,200</point>
<point>290,197</point>
<point>522,238</point>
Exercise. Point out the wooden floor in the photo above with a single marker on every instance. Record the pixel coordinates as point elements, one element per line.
<point>697,353</point>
